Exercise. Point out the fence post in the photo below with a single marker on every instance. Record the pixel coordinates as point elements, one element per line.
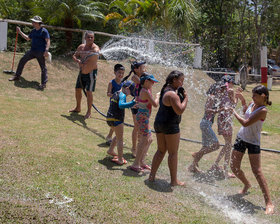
<point>197,57</point>
<point>3,35</point>
<point>264,66</point>
<point>83,37</point>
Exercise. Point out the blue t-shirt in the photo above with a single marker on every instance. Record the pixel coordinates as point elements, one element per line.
<point>38,39</point>
<point>115,86</point>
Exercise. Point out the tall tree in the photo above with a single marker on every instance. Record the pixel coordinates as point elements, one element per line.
<point>71,13</point>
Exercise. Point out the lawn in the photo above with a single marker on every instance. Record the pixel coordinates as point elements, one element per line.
<point>54,167</point>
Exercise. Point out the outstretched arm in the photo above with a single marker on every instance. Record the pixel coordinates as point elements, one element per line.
<point>122,102</point>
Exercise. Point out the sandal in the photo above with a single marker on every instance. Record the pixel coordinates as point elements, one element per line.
<point>146,167</point>
<point>136,169</point>
<point>116,160</point>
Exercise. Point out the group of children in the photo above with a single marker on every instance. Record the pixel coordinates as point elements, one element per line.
<point>221,100</point>
<point>140,87</point>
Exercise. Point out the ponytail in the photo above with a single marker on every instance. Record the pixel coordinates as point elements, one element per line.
<point>126,77</point>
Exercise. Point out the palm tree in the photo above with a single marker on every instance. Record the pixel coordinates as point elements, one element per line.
<point>124,13</point>
<point>71,13</point>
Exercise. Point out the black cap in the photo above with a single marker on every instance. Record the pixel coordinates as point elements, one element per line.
<point>137,64</point>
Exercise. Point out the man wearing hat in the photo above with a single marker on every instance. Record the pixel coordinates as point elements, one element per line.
<point>40,44</point>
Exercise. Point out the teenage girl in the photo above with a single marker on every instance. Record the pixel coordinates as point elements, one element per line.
<point>145,103</point>
<point>113,86</point>
<point>137,68</point>
<point>210,141</point>
<point>249,137</point>
<point>166,125</point>
<point>115,119</point>
<point>227,102</point>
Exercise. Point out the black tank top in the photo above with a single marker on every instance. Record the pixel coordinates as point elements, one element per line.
<point>114,111</point>
<point>166,115</point>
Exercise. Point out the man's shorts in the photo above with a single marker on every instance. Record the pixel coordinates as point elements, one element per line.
<point>208,135</point>
<point>87,81</point>
<point>241,146</point>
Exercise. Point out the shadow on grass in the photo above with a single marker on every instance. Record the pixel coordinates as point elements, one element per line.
<point>23,83</point>
<point>204,177</point>
<point>80,121</point>
<point>243,205</point>
<point>124,168</point>
<point>110,165</point>
<point>159,185</point>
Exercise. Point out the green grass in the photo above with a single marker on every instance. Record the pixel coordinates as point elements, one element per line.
<point>48,156</point>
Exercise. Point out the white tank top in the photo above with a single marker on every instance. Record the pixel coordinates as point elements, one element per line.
<point>252,133</point>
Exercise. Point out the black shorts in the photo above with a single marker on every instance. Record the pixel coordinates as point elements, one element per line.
<point>134,110</point>
<point>166,128</point>
<point>241,146</point>
<point>87,81</point>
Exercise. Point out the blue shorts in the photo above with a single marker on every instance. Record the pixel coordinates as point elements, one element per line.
<point>87,81</point>
<point>241,146</point>
<point>208,135</point>
<point>113,123</point>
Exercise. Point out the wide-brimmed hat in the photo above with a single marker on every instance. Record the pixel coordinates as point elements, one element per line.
<point>36,19</point>
<point>147,76</point>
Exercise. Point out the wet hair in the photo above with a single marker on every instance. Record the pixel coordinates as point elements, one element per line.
<point>260,89</point>
<point>118,67</point>
<point>89,32</point>
<point>134,65</point>
<point>169,80</point>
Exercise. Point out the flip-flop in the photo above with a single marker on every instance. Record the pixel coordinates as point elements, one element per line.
<point>146,167</point>
<point>74,111</point>
<point>231,175</point>
<point>115,160</point>
<point>135,169</point>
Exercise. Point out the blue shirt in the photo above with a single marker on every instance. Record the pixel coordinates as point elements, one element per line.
<point>115,86</point>
<point>38,39</point>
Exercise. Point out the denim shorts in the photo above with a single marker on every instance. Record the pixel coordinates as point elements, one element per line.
<point>208,135</point>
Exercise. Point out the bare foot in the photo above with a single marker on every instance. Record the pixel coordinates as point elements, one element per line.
<point>193,169</point>
<point>75,110</point>
<point>269,209</point>
<point>111,153</point>
<point>177,183</point>
<point>245,189</point>
<point>87,116</point>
